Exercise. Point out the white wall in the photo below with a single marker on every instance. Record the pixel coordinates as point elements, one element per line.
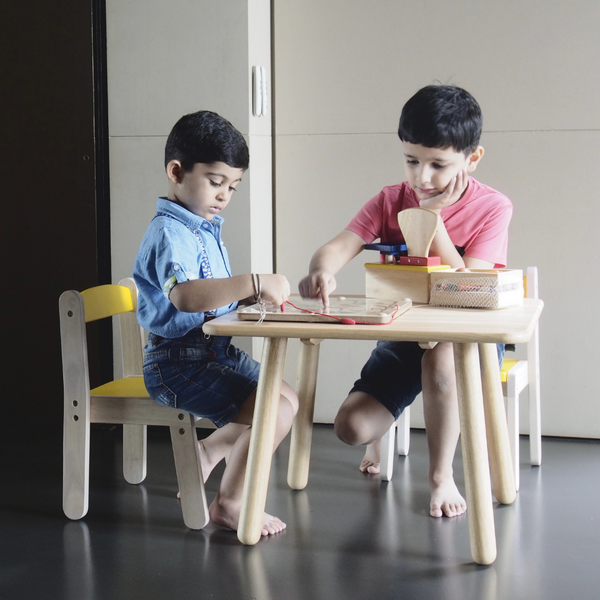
<point>343,70</point>
<point>167,59</point>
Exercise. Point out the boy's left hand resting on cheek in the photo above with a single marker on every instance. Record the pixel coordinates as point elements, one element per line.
<point>452,194</point>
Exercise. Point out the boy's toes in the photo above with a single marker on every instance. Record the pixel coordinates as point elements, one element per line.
<point>272,525</point>
<point>369,466</point>
<point>446,500</point>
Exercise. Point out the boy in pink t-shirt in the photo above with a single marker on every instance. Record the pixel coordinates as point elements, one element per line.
<point>440,128</point>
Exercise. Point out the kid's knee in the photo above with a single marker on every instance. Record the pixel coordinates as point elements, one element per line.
<point>438,368</point>
<point>287,411</point>
<point>289,395</point>
<point>347,427</point>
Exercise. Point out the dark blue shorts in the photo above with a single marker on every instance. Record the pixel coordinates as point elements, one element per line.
<point>204,375</point>
<point>392,374</point>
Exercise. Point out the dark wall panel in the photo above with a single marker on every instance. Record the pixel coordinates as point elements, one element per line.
<point>48,191</point>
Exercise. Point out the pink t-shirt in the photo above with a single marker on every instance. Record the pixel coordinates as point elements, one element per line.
<point>477,223</point>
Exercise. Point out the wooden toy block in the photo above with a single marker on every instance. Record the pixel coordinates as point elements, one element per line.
<point>421,261</point>
<point>418,226</point>
<point>390,282</point>
<point>388,253</point>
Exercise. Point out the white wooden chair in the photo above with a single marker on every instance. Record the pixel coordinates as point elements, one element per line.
<point>516,375</point>
<point>123,401</point>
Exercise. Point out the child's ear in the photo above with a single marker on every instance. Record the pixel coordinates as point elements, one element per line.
<point>474,158</point>
<point>174,171</point>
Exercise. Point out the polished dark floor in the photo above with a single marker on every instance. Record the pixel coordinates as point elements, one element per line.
<point>349,536</point>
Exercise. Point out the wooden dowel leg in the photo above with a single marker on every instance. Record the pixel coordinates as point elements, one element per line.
<point>135,452</point>
<point>501,463</point>
<point>475,456</point>
<point>301,438</point>
<point>262,439</point>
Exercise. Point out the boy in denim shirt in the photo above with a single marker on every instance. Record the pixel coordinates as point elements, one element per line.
<point>184,279</point>
<point>440,127</point>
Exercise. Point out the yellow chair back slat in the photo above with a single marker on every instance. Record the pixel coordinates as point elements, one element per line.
<point>128,387</point>
<point>106,301</point>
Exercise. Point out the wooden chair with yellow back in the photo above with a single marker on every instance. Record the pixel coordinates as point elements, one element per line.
<point>123,401</point>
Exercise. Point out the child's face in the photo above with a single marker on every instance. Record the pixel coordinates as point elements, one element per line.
<point>205,190</point>
<point>430,170</point>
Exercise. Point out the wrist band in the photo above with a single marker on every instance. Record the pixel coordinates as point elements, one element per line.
<point>258,296</point>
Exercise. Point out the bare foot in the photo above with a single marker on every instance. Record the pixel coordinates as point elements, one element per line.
<point>370,463</point>
<point>446,500</point>
<point>228,515</point>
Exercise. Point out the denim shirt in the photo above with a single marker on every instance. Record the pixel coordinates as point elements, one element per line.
<point>171,252</point>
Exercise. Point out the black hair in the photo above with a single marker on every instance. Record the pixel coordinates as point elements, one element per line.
<point>442,116</point>
<point>206,137</point>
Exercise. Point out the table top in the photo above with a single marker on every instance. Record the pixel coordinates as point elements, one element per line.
<point>422,323</point>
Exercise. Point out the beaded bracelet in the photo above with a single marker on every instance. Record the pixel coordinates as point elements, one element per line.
<point>259,287</point>
<point>258,295</point>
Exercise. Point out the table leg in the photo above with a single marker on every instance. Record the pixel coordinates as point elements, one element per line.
<point>475,456</point>
<point>262,439</point>
<point>496,426</point>
<point>301,438</point>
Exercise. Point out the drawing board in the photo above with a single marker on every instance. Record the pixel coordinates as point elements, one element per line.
<point>360,309</point>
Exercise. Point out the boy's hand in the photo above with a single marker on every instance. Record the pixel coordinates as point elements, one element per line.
<point>453,192</point>
<point>318,285</point>
<point>275,288</point>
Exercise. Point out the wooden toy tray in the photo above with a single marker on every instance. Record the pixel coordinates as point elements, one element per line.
<point>359,309</point>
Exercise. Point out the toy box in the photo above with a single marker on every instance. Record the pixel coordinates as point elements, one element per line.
<point>394,282</point>
<point>477,288</point>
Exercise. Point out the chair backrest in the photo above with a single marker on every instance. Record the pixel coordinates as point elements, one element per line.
<point>533,345</point>
<point>132,335</point>
<point>76,309</point>
<point>106,301</point>
<point>531,283</point>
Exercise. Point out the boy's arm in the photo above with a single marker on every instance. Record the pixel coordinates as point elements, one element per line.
<point>202,295</point>
<point>326,262</point>
<point>442,245</point>
<point>477,263</point>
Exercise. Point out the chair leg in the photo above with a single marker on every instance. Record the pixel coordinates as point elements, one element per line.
<point>403,432</point>
<point>535,419</point>
<point>533,356</point>
<point>512,417</point>
<point>535,429</point>
<point>398,435</point>
<point>387,453</point>
<point>189,473</point>
<point>76,462</point>
<point>134,453</point>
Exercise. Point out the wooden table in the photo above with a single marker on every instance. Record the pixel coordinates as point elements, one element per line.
<point>473,332</point>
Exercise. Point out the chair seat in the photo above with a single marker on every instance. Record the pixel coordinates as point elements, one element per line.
<point>128,387</point>
<point>507,365</point>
